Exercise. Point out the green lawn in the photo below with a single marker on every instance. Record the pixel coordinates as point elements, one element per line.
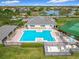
<point>29,53</point>
<point>64,20</point>
<point>7,21</point>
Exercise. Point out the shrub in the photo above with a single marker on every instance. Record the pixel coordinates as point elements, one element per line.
<point>32,45</point>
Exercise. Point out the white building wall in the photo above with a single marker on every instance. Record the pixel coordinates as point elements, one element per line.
<point>40,26</point>
<point>29,27</point>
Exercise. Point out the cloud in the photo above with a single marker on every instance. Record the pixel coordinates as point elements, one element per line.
<point>58,1</point>
<point>37,4</point>
<point>10,1</point>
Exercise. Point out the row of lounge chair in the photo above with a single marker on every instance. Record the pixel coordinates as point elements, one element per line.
<point>66,51</point>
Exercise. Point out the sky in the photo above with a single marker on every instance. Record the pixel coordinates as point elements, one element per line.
<point>39,2</point>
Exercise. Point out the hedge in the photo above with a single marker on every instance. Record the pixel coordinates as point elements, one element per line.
<point>32,45</point>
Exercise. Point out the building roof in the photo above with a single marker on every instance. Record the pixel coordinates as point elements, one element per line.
<point>41,20</point>
<point>6,30</point>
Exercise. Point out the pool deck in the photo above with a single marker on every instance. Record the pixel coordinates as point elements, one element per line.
<point>19,33</point>
<point>56,34</point>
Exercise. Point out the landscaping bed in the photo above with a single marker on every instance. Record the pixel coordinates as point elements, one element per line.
<point>32,45</point>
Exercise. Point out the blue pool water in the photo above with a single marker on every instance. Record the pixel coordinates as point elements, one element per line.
<point>30,35</point>
<point>53,12</point>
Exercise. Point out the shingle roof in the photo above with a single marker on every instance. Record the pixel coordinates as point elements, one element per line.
<point>41,20</point>
<point>5,31</point>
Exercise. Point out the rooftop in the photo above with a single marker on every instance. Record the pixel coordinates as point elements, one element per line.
<point>41,20</point>
<point>6,30</point>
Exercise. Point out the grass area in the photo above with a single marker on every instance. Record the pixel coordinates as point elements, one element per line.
<point>62,21</point>
<point>3,21</point>
<point>1,45</point>
<point>8,21</point>
<point>29,53</point>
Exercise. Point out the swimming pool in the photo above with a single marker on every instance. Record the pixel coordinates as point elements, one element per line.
<point>31,35</point>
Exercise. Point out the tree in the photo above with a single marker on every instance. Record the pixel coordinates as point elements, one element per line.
<point>29,13</point>
<point>64,11</point>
